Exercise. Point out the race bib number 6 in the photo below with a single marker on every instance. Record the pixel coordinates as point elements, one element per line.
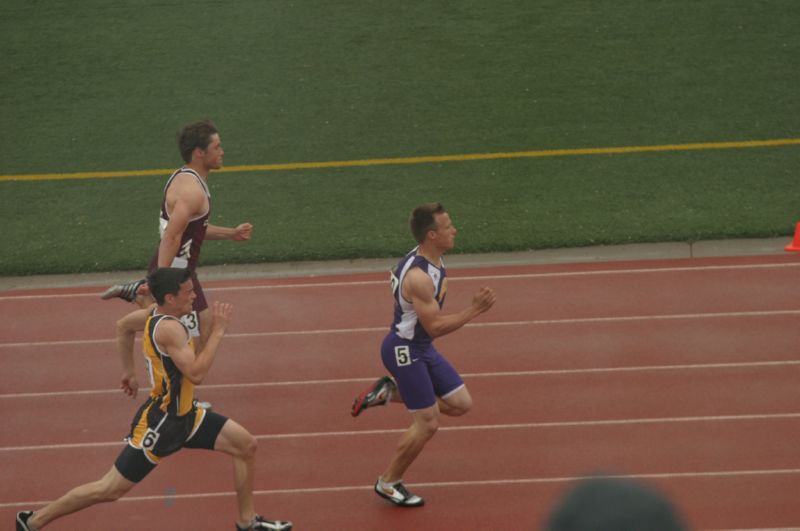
<point>403,355</point>
<point>150,439</point>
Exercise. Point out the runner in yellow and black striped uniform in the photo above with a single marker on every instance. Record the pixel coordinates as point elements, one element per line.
<point>168,420</point>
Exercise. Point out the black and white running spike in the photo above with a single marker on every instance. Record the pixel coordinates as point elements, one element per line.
<point>261,524</point>
<point>22,520</point>
<point>123,291</point>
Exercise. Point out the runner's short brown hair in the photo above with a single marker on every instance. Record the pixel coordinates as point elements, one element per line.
<point>195,135</point>
<point>423,219</point>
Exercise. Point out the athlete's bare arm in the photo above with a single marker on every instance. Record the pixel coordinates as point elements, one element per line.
<point>239,233</point>
<point>172,337</point>
<point>127,327</point>
<point>418,288</point>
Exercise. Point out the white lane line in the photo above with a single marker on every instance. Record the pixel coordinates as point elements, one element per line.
<point>503,374</point>
<point>793,528</point>
<point>535,322</point>
<point>468,428</point>
<point>453,278</point>
<point>63,343</point>
<point>720,474</point>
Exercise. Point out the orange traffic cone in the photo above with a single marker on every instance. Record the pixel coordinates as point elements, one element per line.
<point>795,245</point>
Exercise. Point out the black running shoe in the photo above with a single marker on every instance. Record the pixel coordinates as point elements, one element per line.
<point>260,524</point>
<point>22,520</point>
<point>398,494</point>
<point>123,291</point>
<point>376,394</point>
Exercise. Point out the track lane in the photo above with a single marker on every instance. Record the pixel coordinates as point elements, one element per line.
<point>542,297</point>
<point>473,349</point>
<point>720,453</point>
<point>538,398</point>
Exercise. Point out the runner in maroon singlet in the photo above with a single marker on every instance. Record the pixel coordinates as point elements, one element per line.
<point>189,244</point>
<point>184,225</point>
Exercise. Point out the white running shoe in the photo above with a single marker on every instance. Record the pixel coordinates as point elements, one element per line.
<point>398,494</point>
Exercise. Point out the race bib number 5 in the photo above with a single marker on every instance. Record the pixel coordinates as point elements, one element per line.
<point>403,355</point>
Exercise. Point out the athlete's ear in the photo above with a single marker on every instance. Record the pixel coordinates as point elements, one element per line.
<point>169,299</point>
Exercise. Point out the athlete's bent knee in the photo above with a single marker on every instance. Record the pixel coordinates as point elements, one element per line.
<point>248,447</point>
<point>463,406</point>
<point>456,406</point>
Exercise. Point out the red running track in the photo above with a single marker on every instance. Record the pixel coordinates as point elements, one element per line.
<point>681,373</point>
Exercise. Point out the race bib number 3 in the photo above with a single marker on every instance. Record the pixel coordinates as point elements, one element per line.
<point>192,322</point>
<point>403,355</point>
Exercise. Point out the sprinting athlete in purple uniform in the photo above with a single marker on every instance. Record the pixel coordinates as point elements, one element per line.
<point>423,379</point>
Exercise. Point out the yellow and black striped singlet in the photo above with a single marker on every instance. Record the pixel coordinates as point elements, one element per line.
<point>172,392</point>
<point>168,418</point>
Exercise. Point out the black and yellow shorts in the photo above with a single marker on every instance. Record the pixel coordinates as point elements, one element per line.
<point>155,435</point>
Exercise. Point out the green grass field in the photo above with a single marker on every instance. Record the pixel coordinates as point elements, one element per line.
<point>104,85</point>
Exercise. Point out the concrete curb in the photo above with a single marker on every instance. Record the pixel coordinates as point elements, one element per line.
<point>640,251</point>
